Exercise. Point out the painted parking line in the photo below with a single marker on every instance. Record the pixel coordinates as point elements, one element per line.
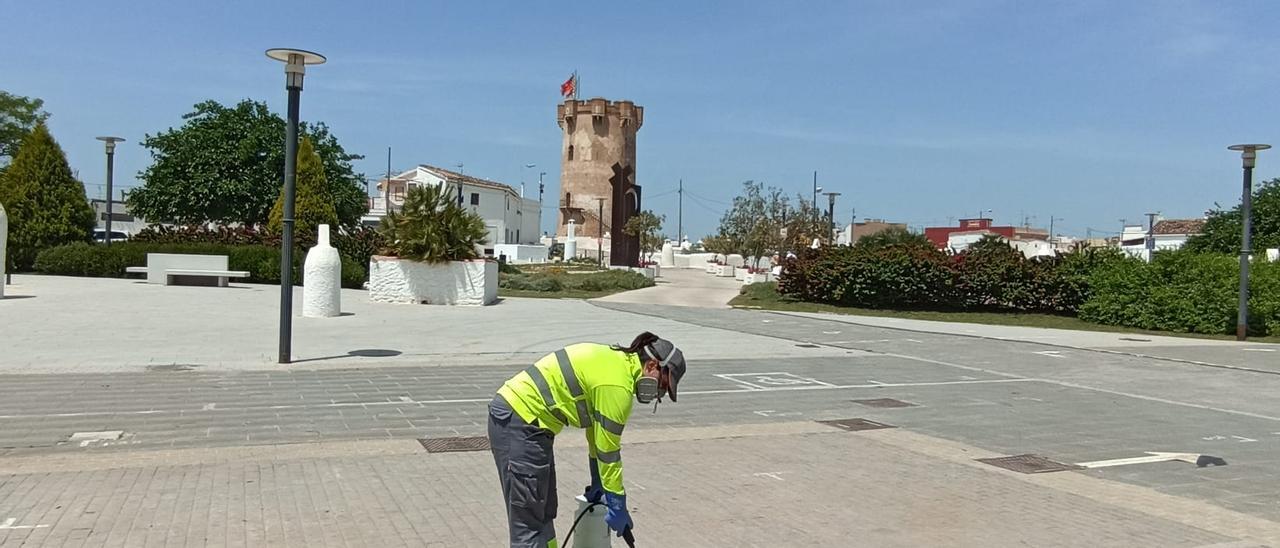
<point>422,403</point>
<point>773,379</point>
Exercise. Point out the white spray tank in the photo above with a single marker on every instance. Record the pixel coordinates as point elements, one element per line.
<point>592,531</point>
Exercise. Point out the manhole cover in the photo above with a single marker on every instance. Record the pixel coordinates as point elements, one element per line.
<point>884,403</point>
<point>452,445</point>
<point>807,345</point>
<point>1029,464</point>
<point>855,425</point>
<point>1133,339</point>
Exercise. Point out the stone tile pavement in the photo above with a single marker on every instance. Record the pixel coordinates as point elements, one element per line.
<point>791,484</point>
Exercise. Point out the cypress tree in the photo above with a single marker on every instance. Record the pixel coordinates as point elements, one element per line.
<point>45,203</point>
<point>312,205</point>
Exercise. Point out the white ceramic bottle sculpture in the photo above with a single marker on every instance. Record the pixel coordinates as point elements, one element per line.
<point>668,255</point>
<point>322,279</point>
<point>571,242</point>
<point>4,238</point>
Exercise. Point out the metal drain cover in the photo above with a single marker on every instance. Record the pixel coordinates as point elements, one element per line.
<point>884,403</point>
<point>454,445</point>
<point>1029,464</point>
<point>807,345</point>
<point>855,425</point>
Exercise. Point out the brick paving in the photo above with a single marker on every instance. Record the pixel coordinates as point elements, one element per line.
<point>710,487</point>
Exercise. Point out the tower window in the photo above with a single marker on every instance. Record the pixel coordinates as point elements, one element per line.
<point>569,156</point>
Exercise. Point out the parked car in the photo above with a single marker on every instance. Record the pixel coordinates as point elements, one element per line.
<point>100,235</point>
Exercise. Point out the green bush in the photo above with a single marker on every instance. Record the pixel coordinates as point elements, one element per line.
<point>261,262</point>
<point>1183,292</point>
<point>532,282</point>
<point>432,227</point>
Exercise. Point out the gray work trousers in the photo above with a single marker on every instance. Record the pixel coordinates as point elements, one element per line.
<point>527,470</point>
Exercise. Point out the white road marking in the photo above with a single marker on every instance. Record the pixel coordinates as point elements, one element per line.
<point>773,413</point>
<point>1150,458</point>
<point>830,332</point>
<point>774,475</point>
<point>1050,353</point>
<point>9,524</point>
<point>1258,349</point>
<point>739,381</point>
<point>1243,439</point>
<point>209,407</point>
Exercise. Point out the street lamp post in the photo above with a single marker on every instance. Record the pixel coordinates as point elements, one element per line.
<point>1248,156</point>
<point>111,166</point>
<point>831,211</point>
<point>295,68</point>
<point>522,171</point>
<point>600,233</point>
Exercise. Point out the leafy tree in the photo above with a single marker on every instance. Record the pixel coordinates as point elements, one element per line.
<point>226,165</point>
<point>1222,228</point>
<point>647,226</point>
<point>432,227</point>
<point>754,224</point>
<point>804,224</point>
<point>18,115</point>
<point>312,206</point>
<point>45,203</point>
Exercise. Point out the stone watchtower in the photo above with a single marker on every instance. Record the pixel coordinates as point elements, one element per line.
<point>598,161</point>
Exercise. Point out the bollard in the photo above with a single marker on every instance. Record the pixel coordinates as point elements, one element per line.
<point>571,242</point>
<point>322,279</point>
<point>4,238</point>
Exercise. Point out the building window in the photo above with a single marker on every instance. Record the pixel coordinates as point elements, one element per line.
<point>570,155</point>
<point>475,198</point>
<point>517,235</point>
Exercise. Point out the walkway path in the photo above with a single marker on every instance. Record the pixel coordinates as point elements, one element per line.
<point>683,287</point>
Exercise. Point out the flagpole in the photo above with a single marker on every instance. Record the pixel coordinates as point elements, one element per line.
<point>576,84</point>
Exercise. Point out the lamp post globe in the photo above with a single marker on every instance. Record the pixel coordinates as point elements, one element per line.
<point>295,68</point>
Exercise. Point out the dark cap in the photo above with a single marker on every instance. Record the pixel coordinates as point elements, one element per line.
<point>672,359</point>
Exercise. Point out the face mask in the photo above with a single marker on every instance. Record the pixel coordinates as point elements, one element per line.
<point>647,389</point>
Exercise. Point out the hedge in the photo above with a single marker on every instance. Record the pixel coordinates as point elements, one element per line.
<point>1179,291</point>
<point>611,280</point>
<point>1184,292</point>
<point>262,262</point>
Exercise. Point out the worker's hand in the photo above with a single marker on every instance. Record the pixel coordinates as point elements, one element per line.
<point>595,492</point>
<point>617,516</point>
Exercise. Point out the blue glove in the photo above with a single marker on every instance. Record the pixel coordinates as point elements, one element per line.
<point>617,517</point>
<point>595,492</point>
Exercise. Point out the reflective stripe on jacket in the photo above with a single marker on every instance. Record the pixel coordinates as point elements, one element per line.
<point>588,386</point>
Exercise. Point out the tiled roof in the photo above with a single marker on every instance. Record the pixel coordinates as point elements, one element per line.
<point>1179,226</point>
<point>455,177</point>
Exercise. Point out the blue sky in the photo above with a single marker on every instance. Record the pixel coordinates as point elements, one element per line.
<point>918,112</point>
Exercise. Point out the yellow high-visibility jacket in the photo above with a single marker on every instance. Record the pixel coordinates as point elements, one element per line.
<point>588,386</point>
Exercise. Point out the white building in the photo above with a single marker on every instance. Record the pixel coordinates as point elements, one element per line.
<point>1168,235</point>
<point>510,218</point>
<point>1029,247</point>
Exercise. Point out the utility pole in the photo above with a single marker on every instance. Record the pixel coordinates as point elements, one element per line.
<point>386,189</point>
<point>1150,244</point>
<point>680,216</point>
<point>541,187</point>
<point>814,203</point>
<point>600,233</point>
<point>831,212</point>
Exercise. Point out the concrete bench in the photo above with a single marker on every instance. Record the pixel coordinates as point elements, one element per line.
<point>186,269</point>
<point>213,278</point>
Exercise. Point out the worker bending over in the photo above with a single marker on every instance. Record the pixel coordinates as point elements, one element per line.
<point>589,386</point>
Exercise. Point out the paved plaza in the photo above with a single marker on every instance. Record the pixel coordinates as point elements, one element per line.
<point>136,415</point>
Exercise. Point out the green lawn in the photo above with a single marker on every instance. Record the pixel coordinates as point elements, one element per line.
<point>766,297</point>
<point>575,282</point>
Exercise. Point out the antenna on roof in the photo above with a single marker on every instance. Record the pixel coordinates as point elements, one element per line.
<point>459,166</point>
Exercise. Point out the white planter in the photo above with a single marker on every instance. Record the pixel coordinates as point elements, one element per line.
<point>322,279</point>
<point>736,260</point>
<point>739,273</point>
<point>394,280</point>
<point>759,277</point>
<point>725,270</point>
<point>713,268</point>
